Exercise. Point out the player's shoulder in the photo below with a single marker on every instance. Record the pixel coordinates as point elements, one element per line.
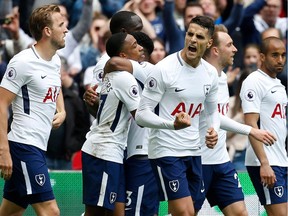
<point>22,61</point>
<point>99,67</point>
<point>121,76</point>
<point>25,55</point>
<point>256,77</point>
<point>122,81</point>
<point>170,65</point>
<point>103,59</point>
<point>209,67</point>
<point>169,61</point>
<point>142,68</point>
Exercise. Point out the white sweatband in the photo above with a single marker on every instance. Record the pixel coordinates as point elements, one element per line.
<point>145,117</point>
<point>233,126</point>
<point>212,115</point>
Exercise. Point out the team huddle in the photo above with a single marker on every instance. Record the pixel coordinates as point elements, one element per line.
<point>159,132</point>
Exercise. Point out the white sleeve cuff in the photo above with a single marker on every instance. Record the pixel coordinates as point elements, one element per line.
<point>145,117</point>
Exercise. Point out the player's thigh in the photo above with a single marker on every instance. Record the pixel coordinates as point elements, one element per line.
<point>182,206</point>
<point>9,208</point>
<point>277,209</point>
<point>236,208</point>
<point>46,208</point>
<point>119,209</point>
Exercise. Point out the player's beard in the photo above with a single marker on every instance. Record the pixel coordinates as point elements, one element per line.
<point>57,44</point>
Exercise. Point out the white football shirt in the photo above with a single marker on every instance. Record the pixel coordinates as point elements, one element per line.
<point>36,83</point>
<point>267,96</point>
<point>179,87</point>
<point>107,137</point>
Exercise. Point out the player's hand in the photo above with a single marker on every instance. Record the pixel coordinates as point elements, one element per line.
<point>58,119</point>
<point>5,164</point>
<point>267,176</point>
<point>90,95</point>
<point>182,120</point>
<point>211,138</point>
<point>263,136</point>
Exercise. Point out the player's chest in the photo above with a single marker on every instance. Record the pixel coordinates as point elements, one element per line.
<point>44,85</point>
<point>191,86</point>
<point>275,95</point>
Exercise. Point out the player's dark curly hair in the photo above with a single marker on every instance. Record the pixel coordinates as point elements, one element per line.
<point>115,43</point>
<point>144,40</point>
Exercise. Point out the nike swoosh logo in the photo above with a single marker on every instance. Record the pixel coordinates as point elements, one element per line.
<point>273,91</point>
<point>202,190</point>
<point>127,209</point>
<point>179,90</point>
<point>42,77</point>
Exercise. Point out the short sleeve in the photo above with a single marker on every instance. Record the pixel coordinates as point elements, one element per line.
<point>15,76</point>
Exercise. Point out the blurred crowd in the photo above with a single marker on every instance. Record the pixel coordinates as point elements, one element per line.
<point>165,21</point>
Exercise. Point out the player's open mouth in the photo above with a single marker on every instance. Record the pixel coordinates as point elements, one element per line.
<point>192,48</point>
<point>280,67</point>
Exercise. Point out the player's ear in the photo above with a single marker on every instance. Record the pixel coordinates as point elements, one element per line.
<point>47,31</point>
<point>262,57</point>
<point>215,50</point>
<point>122,55</point>
<point>209,43</point>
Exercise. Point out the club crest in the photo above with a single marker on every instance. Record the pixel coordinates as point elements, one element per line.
<point>207,89</point>
<point>113,197</point>
<point>174,185</point>
<point>40,179</point>
<point>279,191</point>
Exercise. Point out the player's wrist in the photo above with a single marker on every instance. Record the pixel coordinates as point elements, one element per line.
<point>264,162</point>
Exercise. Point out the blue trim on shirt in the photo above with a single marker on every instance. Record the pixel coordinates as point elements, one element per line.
<point>179,58</point>
<point>140,84</point>
<point>117,116</point>
<point>156,109</point>
<point>33,49</point>
<point>26,100</point>
<point>102,100</point>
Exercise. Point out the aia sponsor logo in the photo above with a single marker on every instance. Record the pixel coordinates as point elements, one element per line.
<point>52,94</point>
<point>192,109</point>
<point>280,111</point>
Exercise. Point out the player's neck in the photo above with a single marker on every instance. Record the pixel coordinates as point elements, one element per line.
<point>269,73</point>
<point>214,62</point>
<point>45,51</point>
